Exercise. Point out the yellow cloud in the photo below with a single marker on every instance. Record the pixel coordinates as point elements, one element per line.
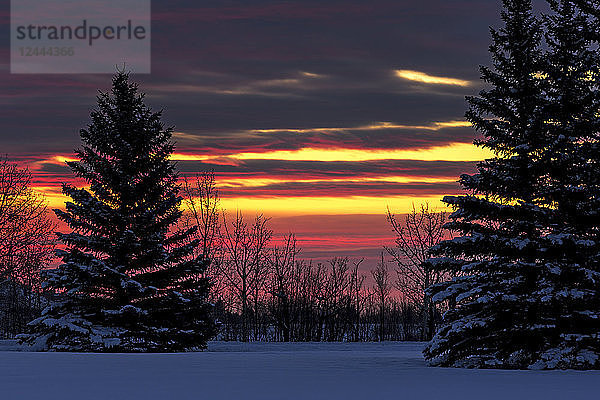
<point>452,152</point>
<point>422,77</point>
<point>310,74</point>
<point>452,124</point>
<point>62,159</point>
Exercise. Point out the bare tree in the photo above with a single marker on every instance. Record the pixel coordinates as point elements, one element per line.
<point>358,298</point>
<point>26,247</point>
<point>203,205</point>
<point>283,260</point>
<point>421,229</point>
<point>381,289</point>
<point>243,264</point>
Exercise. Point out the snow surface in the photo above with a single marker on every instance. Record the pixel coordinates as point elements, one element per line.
<point>279,371</point>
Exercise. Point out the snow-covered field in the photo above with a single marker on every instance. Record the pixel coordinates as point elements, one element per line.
<point>263,371</point>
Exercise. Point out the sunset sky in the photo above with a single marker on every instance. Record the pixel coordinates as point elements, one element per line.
<point>320,114</point>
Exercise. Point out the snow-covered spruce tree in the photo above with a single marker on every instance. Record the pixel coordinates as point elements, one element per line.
<point>570,294</point>
<point>529,252</point>
<point>493,321</point>
<point>127,283</point>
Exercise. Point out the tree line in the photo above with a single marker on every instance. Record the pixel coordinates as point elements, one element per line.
<point>261,288</point>
<point>264,290</point>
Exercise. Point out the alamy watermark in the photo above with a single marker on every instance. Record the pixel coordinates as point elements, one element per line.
<point>75,36</point>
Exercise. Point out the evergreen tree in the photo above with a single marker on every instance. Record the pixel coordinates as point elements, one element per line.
<point>127,282</point>
<point>570,295</point>
<point>493,318</point>
<point>529,255</point>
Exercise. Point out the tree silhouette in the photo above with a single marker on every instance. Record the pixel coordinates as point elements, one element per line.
<point>126,282</point>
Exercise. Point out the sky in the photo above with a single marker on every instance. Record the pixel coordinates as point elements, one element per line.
<point>318,114</point>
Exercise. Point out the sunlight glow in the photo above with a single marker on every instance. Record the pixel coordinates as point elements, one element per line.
<point>53,196</point>
<point>293,206</point>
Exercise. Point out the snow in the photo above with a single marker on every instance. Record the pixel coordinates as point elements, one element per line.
<point>281,371</point>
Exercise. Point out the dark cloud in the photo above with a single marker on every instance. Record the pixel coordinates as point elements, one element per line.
<point>228,66</point>
<point>48,172</point>
<point>328,170</point>
<point>349,138</point>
